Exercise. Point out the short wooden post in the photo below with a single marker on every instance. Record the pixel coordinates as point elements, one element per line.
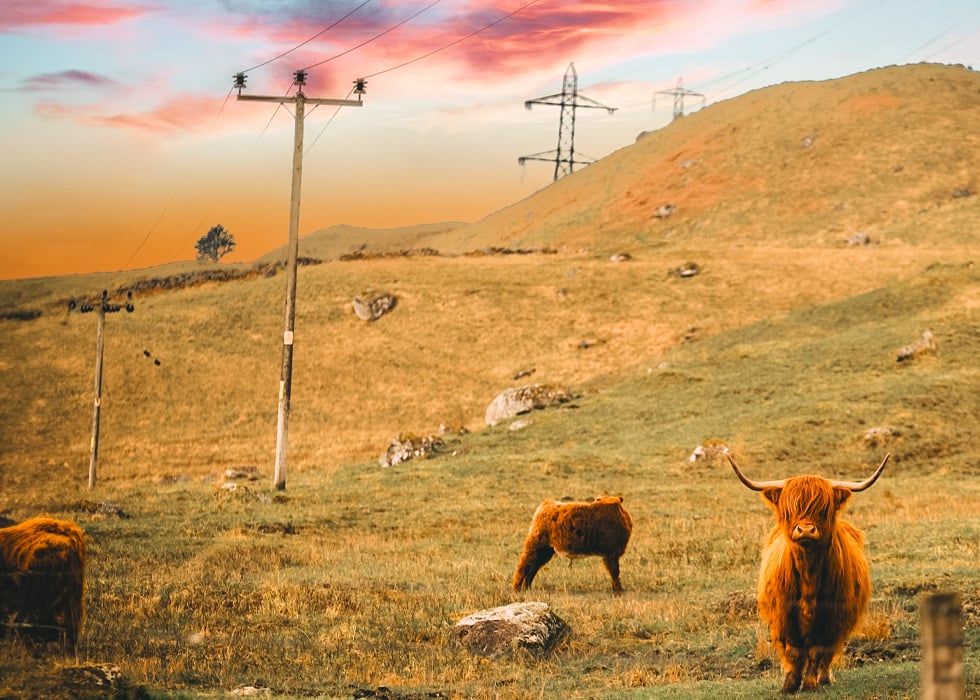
<point>942,647</point>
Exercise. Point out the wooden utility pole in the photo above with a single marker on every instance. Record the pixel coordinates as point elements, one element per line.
<point>99,346</point>
<point>102,308</point>
<point>942,647</point>
<point>286,376</point>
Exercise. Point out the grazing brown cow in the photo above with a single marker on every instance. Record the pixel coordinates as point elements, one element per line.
<point>576,529</point>
<point>814,584</point>
<point>42,579</point>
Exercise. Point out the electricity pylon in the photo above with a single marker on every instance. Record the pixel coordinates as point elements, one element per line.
<point>568,99</point>
<point>286,377</point>
<point>678,92</point>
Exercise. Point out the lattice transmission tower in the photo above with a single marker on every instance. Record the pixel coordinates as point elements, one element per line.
<point>564,157</point>
<point>679,93</point>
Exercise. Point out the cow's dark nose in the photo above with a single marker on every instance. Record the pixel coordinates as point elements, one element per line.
<point>806,531</point>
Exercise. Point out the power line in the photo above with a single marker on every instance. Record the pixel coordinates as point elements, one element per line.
<point>375,37</point>
<point>939,36</point>
<point>247,155</point>
<point>304,43</point>
<point>218,116</point>
<point>453,43</point>
<point>155,224</point>
<point>950,45</point>
<point>329,122</point>
<point>765,65</point>
<point>416,59</point>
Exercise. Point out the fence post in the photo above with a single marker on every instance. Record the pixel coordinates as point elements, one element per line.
<point>942,647</point>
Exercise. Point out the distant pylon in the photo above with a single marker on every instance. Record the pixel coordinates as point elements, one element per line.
<point>568,99</point>
<point>678,92</point>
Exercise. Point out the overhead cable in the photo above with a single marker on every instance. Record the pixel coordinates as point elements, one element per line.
<point>456,41</point>
<point>304,43</point>
<point>375,37</point>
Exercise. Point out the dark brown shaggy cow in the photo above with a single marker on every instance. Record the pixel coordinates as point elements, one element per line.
<point>42,579</point>
<point>813,584</point>
<point>576,529</point>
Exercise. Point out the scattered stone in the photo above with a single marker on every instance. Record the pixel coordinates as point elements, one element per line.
<point>273,528</point>
<point>512,629</point>
<point>859,238</point>
<point>371,307</point>
<point>234,492</point>
<point>620,257</point>
<point>709,451</point>
<point>521,374</point>
<point>806,142</point>
<point>251,473</point>
<point>407,446</point>
<point>665,210</point>
<point>98,681</point>
<point>515,401</point>
<point>385,693</point>
<point>97,508</point>
<point>251,690</point>
<point>962,192</point>
<point>519,424</point>
<point>879,436</point>
<point>688,269</point>
<point>926,345</point>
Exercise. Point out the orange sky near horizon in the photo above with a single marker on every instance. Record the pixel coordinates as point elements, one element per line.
<point>123,144</point>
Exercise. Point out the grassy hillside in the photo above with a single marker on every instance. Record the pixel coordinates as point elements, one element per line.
<point>784,347</point>
<point>881,153</point>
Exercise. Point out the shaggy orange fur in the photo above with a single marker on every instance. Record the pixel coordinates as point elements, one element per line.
<point>576,529</point>
<point>42,579</point>
<point>814,583</point>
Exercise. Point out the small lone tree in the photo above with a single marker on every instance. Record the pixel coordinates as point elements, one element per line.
<point>215,244</point>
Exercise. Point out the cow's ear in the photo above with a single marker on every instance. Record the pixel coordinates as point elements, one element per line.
<point>841,496</point>
<point>772,495</point>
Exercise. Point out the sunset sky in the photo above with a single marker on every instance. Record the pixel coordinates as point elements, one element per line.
<point>122,142</point>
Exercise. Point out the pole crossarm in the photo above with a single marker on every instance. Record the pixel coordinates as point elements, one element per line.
<point>579,101</point>
<point>307,100</point>
<point>550,157</point>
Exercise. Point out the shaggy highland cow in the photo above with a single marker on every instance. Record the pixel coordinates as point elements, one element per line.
<point>814,584</point>
<point>576,529</point>
<point>42,580</point>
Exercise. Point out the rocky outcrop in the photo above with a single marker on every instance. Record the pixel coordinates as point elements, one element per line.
<point>515,401</point>
<point>512,629</point>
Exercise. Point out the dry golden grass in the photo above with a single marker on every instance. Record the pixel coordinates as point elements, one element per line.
<point>783,347</point>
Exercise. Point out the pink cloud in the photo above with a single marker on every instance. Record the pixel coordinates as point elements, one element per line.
<point>66,79</point>
<point>542,31</point>
<point>183,113</point>
<point>32,13</point>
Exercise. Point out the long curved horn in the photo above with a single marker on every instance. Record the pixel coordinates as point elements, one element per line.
<point>862,485</point>
<point>755,485</point>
